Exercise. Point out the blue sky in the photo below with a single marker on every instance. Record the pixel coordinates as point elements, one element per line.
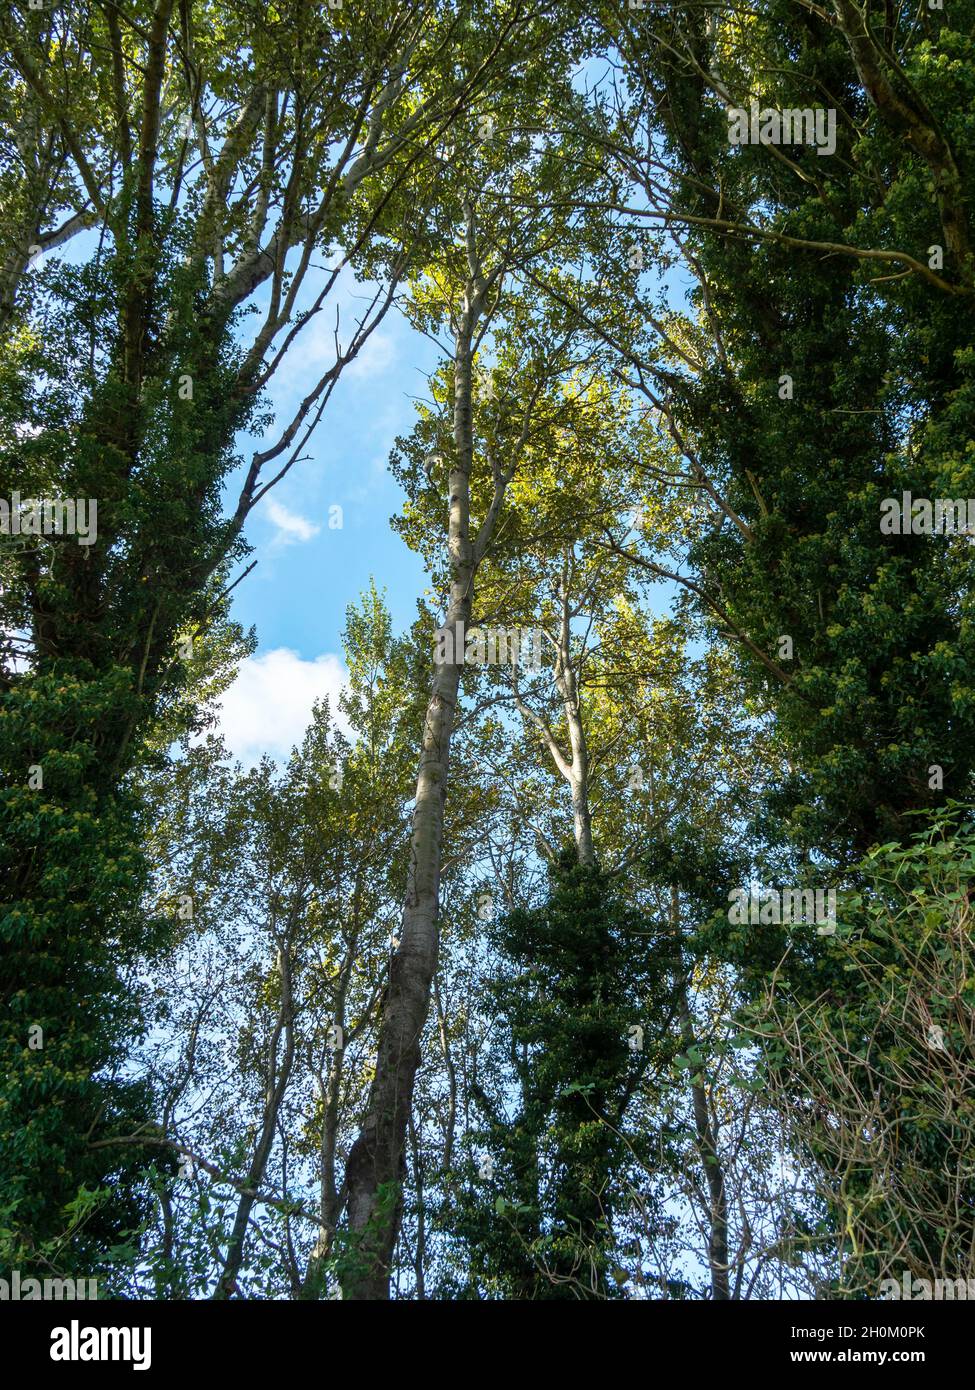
<point>308,573</point>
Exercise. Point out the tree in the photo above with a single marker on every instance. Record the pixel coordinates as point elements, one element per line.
<point>374,1171</point>
<point>264,1008</point>
<point>214,153</point>
<point>573,975</point>
<point>814,300</point>
<point>880,1098</point>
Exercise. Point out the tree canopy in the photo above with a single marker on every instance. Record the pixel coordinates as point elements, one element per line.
<point>607,937</point>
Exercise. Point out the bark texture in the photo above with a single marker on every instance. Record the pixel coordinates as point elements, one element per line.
<point>376,1166</point>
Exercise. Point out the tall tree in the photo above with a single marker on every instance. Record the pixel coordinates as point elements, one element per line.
<point>216,152</point>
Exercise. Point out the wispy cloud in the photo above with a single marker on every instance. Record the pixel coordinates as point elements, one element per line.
<point>377,356</point>
<point>291,527</point>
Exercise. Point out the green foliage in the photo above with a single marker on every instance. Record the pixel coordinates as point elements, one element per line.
<point>468,140</point>
<point>876,1072</point>
<point>572,976</point>
<point>62,929</point>
<point>879,690</point>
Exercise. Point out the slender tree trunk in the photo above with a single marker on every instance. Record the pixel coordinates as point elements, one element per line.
<point>277,1084</point>
<point>451,1070</point>
<point>575,766</point>
<point>330,1200</point>
<point>420,1253</point>
<point>708,1149</point>
<point>375,1169</point>
<point>566,677</point>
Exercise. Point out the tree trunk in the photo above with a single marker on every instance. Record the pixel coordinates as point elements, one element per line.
<point>708,1149</point>
<point>577,772</point>
<point>375,1168</point>
<point>277,1085</point>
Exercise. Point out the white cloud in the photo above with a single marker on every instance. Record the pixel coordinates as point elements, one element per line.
<point>377,355</point>
<point>268,707</point>
<point>313,350</point>
<point>291,526</point>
